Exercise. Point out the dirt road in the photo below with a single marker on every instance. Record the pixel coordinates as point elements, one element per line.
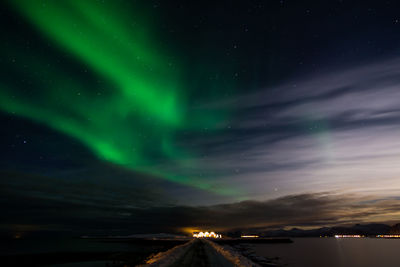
<point>202,255</point>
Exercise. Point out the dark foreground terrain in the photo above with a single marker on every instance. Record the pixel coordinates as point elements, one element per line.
<point>141,249</point>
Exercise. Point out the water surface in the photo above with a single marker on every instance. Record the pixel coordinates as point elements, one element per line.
<point>334,252</point>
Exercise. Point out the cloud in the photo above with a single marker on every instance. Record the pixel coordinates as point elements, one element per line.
<point>97,199</point>
<point>36,204</point>
<point>324,131</point>
<point>304,210</point>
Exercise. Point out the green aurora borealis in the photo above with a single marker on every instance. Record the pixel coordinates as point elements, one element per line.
<point>124,117</point>
<point>139,101</point>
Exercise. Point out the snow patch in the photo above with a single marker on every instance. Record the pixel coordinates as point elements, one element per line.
<point>167,258</point>
<point>231,255</point>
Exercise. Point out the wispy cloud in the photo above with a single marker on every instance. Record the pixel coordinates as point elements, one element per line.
<point>37,212</point>
<point>336,130</point>
<point>305,210</point>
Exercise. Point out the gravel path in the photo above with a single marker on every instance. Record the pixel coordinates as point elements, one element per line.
<point>202,255</point>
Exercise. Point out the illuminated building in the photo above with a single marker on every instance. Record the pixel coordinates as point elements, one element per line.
<point>206,235</point>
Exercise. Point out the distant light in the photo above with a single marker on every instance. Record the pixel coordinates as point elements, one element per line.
<point>348,236</point>
<point>249,236</point>
<point>388,236</point>
<point>206,234</point>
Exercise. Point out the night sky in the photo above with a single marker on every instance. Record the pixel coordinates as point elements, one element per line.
<point>122,117</point>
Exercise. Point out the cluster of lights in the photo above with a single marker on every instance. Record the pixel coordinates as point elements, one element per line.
<point>389,236</point>
<point>349,236</point>
<point>249,236</point>
<point>206,234</point>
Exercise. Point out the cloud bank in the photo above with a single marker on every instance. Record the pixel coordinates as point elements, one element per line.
<point>326,131</point>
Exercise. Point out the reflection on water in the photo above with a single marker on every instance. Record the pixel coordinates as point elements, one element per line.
<point>334,252</point>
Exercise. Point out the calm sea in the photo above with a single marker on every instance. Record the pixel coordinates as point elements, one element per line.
<point>29,246</point>
<point>70,252</point>
<point>333,252</point>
